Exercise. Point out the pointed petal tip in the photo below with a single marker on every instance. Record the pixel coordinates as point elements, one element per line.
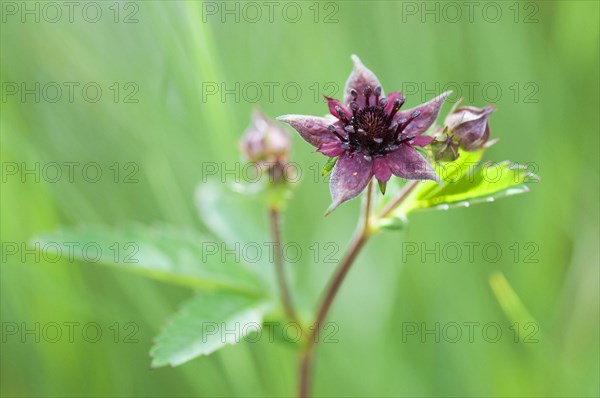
<point>291,118</point>
<point>433,176</point>
<point>443,96</point>
<point>359,79</point>
<point>490,108</point>
<point>331,208</point>
<point>257,111</point>
<point>356,60</point>
<point>313,129</point>
<point>284,118</point>
<point>491,142</point>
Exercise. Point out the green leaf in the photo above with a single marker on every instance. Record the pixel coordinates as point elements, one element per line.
<point>279,329</point>
<point>449,172</point>
<point>237,213</point>
<point>160,252</point>
<point>234,213</point>
<point>204,324</point>
<point>329,166</point>
<point>485,183</point>
<point>452,172</point>
<point>464,182</point>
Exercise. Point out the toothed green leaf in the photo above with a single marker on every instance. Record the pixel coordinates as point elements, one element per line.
<point>206,323</point>
<point>485,183</point>
<point>159,252</point>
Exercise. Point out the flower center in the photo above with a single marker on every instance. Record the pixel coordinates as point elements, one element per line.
<point>372,129</point>
<point>373,121</point>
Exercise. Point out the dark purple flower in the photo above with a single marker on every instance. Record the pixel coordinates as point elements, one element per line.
<point>470,125</point>
<point>370,134</point>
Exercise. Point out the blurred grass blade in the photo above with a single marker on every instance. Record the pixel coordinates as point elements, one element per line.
<point>524,324</point>
<point>508,299</point>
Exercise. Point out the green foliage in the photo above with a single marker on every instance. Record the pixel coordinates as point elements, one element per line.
<point>233,212</point>
<point>237,214</point>
<point>204,324</point>
<point>451,172</point>
<point>233,296</point>
<point>329,166</point>
<point>465,181</point>
<point>161,252</point>
<point>484,183</point>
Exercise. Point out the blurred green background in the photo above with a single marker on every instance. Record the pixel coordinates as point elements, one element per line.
<point>542,55</point>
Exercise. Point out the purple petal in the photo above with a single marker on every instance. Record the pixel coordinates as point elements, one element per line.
<point>381,170</point>
<point>331,149</point>
<point>466,114</point>
<point>472,143</point>
<point>421,140</point>
<point>333,104</point>
<point>312,128</point>
<point>406,162</point>
<point>428,113</point>
<point>360,78</point>
<point>351,174</point>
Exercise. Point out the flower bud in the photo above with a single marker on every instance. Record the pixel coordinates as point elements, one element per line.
<point>265,141</point>
<point>266,144</point>
<point>470,125</point>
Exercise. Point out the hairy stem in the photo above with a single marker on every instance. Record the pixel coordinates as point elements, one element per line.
<point>361,235</point>
<point>284,291</point>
